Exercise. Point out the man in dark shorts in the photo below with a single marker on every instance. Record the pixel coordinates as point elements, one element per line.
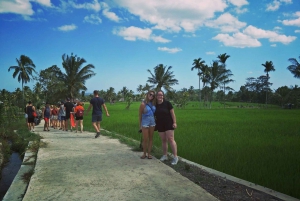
<point>30,120</point>
<point>69,108</point>
<point>97,103</point>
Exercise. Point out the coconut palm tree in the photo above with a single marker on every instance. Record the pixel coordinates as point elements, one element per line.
<point>294,68</point>
<point>24,70</point>
<point>215,76</point>
<point>268,68</point>
<point>162,77</point>
<point>110,93</point>
<point>222,59</point>
<point>75,74</point>
<point>199,64</point>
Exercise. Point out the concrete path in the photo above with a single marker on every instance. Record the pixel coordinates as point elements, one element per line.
<point>76,166</point>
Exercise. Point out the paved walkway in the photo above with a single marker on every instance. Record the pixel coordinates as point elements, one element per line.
<point>76,166</point>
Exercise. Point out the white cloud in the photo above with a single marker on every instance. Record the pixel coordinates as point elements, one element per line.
<point>271,35</point>
<point>16,6</point>
<point>297,31</point>
<point>294,22</point>
<point>239,3</point>
<point>93,19</point>
<point>239,40</point>
<point>276,4</point>
<point>273,45</point>
<point>135,33</point>
<point>227,23</point>
<point>249,72</point>
<point>43,2</point>
<point>95,6</point>
<point>159,39</point>
<point>174,15</point>
<point>110,15</point>
<point>169,50</point>
<point>210,53</point>
<point>66,28</point>
<point>273,6</point>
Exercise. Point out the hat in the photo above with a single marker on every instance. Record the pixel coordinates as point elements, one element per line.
<point>29,102</point>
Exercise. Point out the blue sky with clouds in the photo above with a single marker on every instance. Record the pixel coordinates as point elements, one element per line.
<point>124,38</point>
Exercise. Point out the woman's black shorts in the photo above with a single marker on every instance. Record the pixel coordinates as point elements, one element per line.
<point>165,126</point>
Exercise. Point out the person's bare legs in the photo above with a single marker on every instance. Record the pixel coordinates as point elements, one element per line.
<point>96,126</point>
<point>150,141</point>
<point>145,131</point>
<point>81,125</point>
<point>171,140</point>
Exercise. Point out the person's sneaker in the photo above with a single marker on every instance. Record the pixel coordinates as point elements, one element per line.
<point>164,158</point>
<point>97,135</point>
<point>174,161</point>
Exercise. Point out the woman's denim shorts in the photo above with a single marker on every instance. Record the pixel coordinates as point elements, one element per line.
<point>148,121</point>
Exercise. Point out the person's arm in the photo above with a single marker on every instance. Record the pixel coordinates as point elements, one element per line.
<point>105,108</point>
<point>173,117</point>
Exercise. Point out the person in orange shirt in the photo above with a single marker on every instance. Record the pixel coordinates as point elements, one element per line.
<point>79,110</point>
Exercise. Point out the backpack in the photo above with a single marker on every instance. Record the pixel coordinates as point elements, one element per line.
<point>79,113</point>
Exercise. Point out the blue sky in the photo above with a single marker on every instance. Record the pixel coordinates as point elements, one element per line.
<point>124,38</point>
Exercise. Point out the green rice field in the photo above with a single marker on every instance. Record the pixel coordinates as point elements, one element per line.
<point>258,145</point>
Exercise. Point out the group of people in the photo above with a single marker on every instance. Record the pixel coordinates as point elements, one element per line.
<point>60,116</point>
<point>156,113</point>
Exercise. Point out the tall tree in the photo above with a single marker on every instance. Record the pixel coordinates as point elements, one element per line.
<point>268,68</point>
<point>199,64</point>
<point>24,70</point>
<point>162,77</point>
<point>76,74</point>
<point>215,76</point>
<point>294,68</point>
<point>222,59</point>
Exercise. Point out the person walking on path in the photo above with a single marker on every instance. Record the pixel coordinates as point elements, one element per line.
<point>62,114</point>
<point>79,110</point>
<point>165,124</point>
<point>69,109</point>
<point>97,103</point>
<point>54,113</point>
<point>30,118</point>
<point>147,122</point>
<point>46,115</point>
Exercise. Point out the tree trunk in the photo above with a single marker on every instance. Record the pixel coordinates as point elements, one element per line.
<point>199,92</point>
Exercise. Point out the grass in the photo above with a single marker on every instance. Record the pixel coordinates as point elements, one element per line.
<point>254,144</point>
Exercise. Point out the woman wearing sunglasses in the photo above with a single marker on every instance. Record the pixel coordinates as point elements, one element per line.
<point>147,122</point>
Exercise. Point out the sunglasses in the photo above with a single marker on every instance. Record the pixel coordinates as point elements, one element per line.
<point>151,95</point>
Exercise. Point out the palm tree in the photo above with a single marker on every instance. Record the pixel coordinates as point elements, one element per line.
<point>23,70</point>
<point>162,77</point>
<point>294,68</point>
<point>110,93</point>
<point>76,74</point>
<point>215,76</point>
<point>124,91</point>
<point>199,64</point>
<point>222,59</point>
<point>268,68</point>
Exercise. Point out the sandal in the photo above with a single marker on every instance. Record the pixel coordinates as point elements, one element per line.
<point>149,157</point>
<point>143,157</point>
